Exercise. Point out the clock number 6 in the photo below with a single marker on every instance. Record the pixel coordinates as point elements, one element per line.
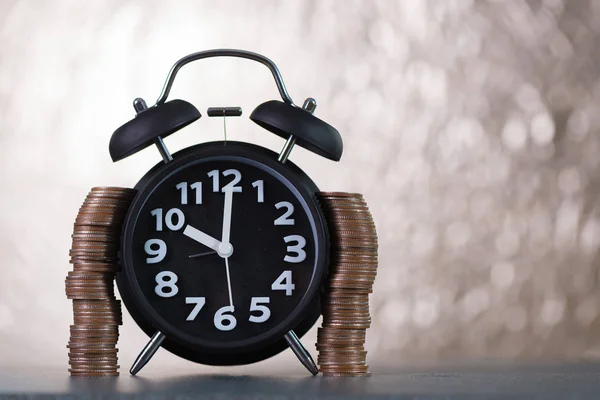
<point>221,317</point>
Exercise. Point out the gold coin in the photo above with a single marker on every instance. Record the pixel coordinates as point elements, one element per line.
<point>339,195</point>
<point>88,328</point>
<point>347,321</point>
<point>89,245</point>
<point>79,259</point>
<point>346,370</point>
<point>96,230</point>
<point>87,296</point>
<point>97,275</point>
<point>346,374</point>
<point>105,237</point>
<point>94,374</point>
<point>79,360</point>
<point>98,313</point>
<point>93,341</point>
<point>117,189</point>
<point>96,267</point>
<point>83,368</point>
<point>81,336</point>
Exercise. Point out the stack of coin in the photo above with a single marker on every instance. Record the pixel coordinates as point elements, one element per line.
<point>95,259</point>
<point>353,267</point>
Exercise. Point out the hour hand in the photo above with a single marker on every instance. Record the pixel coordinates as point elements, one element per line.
<point>201,237</point>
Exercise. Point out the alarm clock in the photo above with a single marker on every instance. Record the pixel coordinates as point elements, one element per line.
<point>224,249</point>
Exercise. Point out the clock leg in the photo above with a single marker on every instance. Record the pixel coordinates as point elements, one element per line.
<point>303,355</point>
<point>147,352</point>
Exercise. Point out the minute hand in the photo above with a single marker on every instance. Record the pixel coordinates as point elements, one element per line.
<point>227,206</point>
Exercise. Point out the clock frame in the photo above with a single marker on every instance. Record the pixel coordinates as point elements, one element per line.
<point>304,315</point>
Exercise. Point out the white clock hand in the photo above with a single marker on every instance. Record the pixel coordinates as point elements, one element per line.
<point>227,206</point>
<point>225,245</point>
<point>229,283</point>
<point>202,238</point>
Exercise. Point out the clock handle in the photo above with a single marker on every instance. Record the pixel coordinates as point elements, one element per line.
<point>225,53</point>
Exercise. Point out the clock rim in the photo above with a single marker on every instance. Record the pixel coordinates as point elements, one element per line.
<point>304,315</point>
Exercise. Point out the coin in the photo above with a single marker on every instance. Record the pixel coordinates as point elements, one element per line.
<point>108,304</point>
<point>94,254</point>
<point>85,266</point>
<point>340,374</point>
<point>107,362</point>
<point>352,272</point>
<point>83,319</point>
<point>93,373</point>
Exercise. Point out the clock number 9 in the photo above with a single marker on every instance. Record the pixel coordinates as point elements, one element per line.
<point>157,254</point>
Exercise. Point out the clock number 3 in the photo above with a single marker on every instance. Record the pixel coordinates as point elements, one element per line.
<point>297,248</point>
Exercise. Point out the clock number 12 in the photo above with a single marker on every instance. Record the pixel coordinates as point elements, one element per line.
<point>237,177</point>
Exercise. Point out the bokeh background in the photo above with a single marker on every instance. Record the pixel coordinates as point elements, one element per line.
<point>471,127</point>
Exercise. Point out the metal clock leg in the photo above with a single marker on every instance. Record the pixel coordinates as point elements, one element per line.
<point>147,352</point>
<point>303,355</point>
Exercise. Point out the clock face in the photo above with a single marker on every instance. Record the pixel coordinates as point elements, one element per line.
<point>224,251</point>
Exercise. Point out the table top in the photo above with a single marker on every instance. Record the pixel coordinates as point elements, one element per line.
<point>581,381</point>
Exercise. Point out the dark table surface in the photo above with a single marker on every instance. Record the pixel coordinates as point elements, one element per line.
<point>566,381</point>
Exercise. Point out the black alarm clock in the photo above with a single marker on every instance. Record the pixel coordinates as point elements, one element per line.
<point>224,248</point>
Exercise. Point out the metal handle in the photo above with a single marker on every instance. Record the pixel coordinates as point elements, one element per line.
<point>225,53</point>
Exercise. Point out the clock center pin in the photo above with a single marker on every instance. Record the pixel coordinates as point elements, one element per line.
<point>225,250</point>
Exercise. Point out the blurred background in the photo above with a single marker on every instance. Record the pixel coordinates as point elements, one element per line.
<point>471,127</point>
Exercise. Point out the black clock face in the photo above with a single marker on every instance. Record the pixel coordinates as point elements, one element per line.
<point>223,252</point>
